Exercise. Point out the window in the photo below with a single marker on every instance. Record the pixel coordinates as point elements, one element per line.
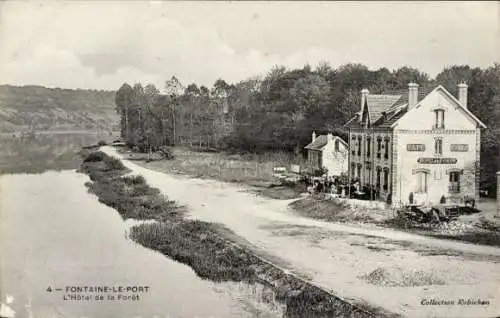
<point>454,186</point>
<point>353,145</point>
<point>359,145</point>
<point>358,175</point>
<point>379,147</point>
<point>422,178</point>
<point>368,176</point>
<point>337,147</point>
<point>386,179</point>
<point>439,123</point>
<point>438,146</point>
<point>368,146</point>
<point>353,171</point>
<point>378,177</point>
<point>386,152</point>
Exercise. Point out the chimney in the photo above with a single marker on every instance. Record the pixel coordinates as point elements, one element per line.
<point>364,93</point>
<point>330,136</point>
<point>462,94</point>
<point>412,95</point>
<point>314,136</point>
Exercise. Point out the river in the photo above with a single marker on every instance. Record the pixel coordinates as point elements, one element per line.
<point>55,234</point>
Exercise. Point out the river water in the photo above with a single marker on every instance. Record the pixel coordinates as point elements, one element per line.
<point>55,234</point>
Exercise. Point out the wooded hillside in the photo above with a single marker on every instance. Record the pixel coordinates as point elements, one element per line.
<point>40,108</point>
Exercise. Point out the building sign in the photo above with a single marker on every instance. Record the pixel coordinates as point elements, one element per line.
<point>415,147</point>
<point>459,147</point>
<point>442,161</point>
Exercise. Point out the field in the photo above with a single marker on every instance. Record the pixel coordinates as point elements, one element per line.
<point>252,170</point>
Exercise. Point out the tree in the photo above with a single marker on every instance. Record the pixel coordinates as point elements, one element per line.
<point>123,100</point>
<point>405,75</point>
<point>451,76</point>
<point>174,89</point>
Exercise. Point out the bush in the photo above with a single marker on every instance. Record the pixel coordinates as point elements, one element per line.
<point>95,156</point>
<point>102,143</point>
<point>167,153</point>
<point>113,163</point>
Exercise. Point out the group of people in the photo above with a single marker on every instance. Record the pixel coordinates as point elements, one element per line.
<point>330,185</point>
<point>338,188</point>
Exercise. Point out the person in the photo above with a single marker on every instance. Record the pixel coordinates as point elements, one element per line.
<point>356,186</point>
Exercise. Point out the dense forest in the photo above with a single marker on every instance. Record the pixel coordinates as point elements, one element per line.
<point>280,110</point>
<point>40,108</point>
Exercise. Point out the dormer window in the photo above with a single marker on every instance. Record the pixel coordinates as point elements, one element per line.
<point>439,122</point>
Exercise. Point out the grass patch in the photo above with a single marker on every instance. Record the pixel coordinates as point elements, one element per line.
<point>328,210</point>
<point>248,169</point>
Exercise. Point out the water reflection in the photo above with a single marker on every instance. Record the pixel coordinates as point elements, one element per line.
<point>38,153</point>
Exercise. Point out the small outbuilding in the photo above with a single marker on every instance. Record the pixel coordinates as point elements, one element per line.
<point>328,151</point>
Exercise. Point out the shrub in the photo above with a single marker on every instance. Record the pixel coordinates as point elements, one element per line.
<point>167,152</point>
<point>113,163</point>
<point>95,156</point>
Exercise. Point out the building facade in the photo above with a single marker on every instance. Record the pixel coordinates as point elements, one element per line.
<point>327,151</point>
<point>418,146</point>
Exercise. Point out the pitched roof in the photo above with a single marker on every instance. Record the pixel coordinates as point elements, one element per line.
<point>378,104</point>
<point>318,143</point>
<point>321,141</point>
<point>387,108</point>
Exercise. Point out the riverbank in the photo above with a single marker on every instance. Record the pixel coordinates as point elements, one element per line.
<point>202,246</point>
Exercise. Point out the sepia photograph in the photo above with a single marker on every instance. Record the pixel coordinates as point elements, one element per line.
<point>270,159</point>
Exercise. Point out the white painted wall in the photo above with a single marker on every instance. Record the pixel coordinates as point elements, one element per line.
<point>422,116</point>
<point>335,162</point>
<point>416,127</point>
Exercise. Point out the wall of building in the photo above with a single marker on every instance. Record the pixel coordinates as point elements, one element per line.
<point>313,160</point>
<point>335,161</point>
<point>417,128</point>
<point>370,164</point>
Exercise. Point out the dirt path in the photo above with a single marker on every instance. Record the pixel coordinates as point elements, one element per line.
<point>394,270</point>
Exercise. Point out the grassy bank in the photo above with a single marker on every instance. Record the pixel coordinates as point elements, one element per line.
<point>202,245</point>
<point>255,171</point>
<point>480,228</point>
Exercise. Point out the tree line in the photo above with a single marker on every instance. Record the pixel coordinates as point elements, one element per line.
<point>279,110</point>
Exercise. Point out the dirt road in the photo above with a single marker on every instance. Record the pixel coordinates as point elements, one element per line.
<point>403,273</point>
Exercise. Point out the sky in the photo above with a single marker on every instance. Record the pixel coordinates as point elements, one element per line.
<point>102,44</point>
